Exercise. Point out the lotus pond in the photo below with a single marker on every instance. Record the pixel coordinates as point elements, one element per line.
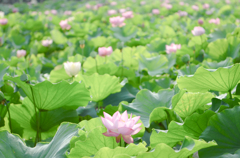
<point>120,79</point>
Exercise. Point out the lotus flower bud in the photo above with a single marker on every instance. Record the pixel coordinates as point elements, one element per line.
<point>128,15</point>
<point>113,3</point>
<point>155,11</point>
<point>117,21</point>
<point>172,48</point>
<point>195,7</point>
<point>103,51</point>
<point>72,68</point>
<point>206,6</point>
<point>182,13</point>
<point>197,31</point>
<point>121,126</point>
<point>88,6</point>
<point>122,10</point>
<point>64,25</point>
<point>181,3</point>
<point>2,14</point>
<point>47,43</point>
<point>3,21</point>
<point>14,10</point>
<point>200,21</point>
<point>54,12</point>
<point>142,2</point>
<point>21,53</point>
<point>47,12</point>
<point>214,21</point>
<point>67,12</point>
<point>112,12</point>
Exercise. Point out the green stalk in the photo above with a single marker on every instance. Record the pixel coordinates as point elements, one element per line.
<point>122,64</point>
<point>38,138</point>
<point>10,122</point>
<point>96,64</point>
<point>82,61</point>
<point>230,94</point>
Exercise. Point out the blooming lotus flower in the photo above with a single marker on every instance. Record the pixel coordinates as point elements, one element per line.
<point>155,11</point>
<point>182,13</point>
<point>112,12</point>
<point>14,10</point>
<point>54,12</point>
<point>197,31</point>
<point>64,25</point>
<point>3,21</point>
<point>122,10</point>
<point>117,21</point>
<point>121,126</point>
<point>72,68</point>
<point>228,1</point>
<point>103,51</point>
<point>1,14</point>
<point>113,3</point>
<point>181,3</point>
<point>88,6</point>
<point>195,7</point>
<point>21,53</point>
<point>47,43</point>
<point>67,12</point>
<point>214,21</point>
<point>167,6</point>
<point>206,6</point>
<point>142,2</point>
<point>128,15</point>
<point>172,48</point>
<point>47,12</point>
<point>200,21</point>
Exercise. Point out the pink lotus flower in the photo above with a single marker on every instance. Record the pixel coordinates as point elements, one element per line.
<point>128,15</point>
<point>122,10</point>
<point>117,21</point>
<point>103,51</point>
<point>121,126</point>
<point>172,48</point>
<point>167,6</point>
<point>214,21</point>
<point>195,7</point>
<point>47,43</point>
<point>112,12</point>
<point>228,1</point>
<point>21,53</point>
<point>142,2</point>
<point>155,11</point>
<point>54,12</point>
<point>181,3</point>
<point>206,6</point>
<point>3,21</point>
<point>64,25</point>
<point>113,3</point>
<point>88,6</point>
<point>182,13</point>
<point>68,12</point>
<point>200,21</point>
<point>197,31</point>
<point>47,12</point>
<point>14,10</point>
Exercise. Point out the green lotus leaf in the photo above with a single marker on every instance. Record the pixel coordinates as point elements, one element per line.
<point>102,86</point>
<point>189,146</point>
<point>224,129</point>
<point>12,146</point>
<point>222,79</point>
<point>49,96</point>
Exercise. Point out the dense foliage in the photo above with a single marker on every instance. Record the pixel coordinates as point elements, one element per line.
<point>64,65</point>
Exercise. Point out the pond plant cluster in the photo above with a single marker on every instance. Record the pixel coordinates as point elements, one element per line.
<point>120,79</point>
